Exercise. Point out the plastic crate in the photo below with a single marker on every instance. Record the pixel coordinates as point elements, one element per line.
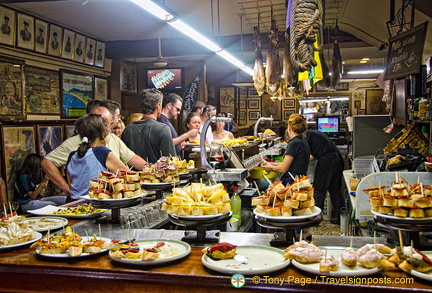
<point>327,210</point>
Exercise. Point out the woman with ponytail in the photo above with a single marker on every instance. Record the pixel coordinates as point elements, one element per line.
<point>297,154</point>
<point>92,156</point>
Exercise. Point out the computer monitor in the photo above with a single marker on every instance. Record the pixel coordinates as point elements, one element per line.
<point>328,124</point>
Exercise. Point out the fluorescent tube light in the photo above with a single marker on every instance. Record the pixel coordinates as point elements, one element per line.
<point>339,99</point>
<point>163,14</point>
<point>154,9</point>
<point>195,35</point>
<point>312,100</point>
<point>371,71</point>
<point>230,58</point>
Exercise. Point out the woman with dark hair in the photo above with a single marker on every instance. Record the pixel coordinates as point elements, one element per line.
<point>193,121</point>
<point>220,132</point>
<point>297,154</point>
<point>92,156</point>
<point>30,186</point>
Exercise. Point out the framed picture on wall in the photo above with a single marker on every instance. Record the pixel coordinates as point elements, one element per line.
<point>42,91</point>
<point>12,89</point>
<point>7,27</point>
<point>49,137</point>
<point>287,114</point>
<point>55,40</point>
<point>254,115</point>
<point>289,103</point>
<point>242,103</point>
<point>68,44</point>
<point>252,92</point>
<point>100,54</point>
<point>253,103</point>
<point>242,119</point>
<point>76,91</point>
<point>242,93</point>
<point>128,78</point>
<point>78,53</point>
<point>226,99</point>
<point>18,142</point>
<point>25,31</point>
<point>69,131</point>
<point>90,51</point>
<point>41,36</point>
<point>271,107</point>
<point>361,111</point>
<point>374,103</point>
<point>101,88</point>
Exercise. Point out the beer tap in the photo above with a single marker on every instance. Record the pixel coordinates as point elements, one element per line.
<point>259,121</point>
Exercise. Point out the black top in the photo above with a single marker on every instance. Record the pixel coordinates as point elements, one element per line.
<point>298,148</point>
<point>320,144</point>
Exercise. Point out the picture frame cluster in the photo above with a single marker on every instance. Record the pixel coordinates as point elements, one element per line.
<point>26,32</point>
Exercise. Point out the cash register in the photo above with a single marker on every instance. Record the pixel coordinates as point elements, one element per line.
<point>330,125</point>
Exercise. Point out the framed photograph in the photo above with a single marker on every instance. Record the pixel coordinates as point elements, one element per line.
<point>253,103</point>
<point>361,112</point>
<point>7,27</point>
<point>271,107</point>
<point>69,131</point>
<point>12,105</point>
<point>78,53</point>
<point>90,51</point>
<point>226,99</point>
<point>100,54</point>
<point>42,91</point>
<point>25,31</point>
<point>49,137</point>
<point>101,88</point>
<point>254,115</point>
<point>76,91</point>
<point>289,103</point>
<point>242,104</point>
<point>357,104</point>
<point>41,36</point>
<point>242,93</point>
<point>287,114</point>
<point>374,102</point>
<point>55,40</point>
<point>128,78</point>
<point>68,44</point>
<point>252,92</point>
<point>242,120</point>
<point>18,142</point>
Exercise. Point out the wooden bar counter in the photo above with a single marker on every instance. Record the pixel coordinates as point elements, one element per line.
<point>21,271</point>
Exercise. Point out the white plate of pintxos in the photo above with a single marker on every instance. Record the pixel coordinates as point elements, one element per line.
<point>293,218</point>
<point>254,260</point>
<point>425,276</point>
<point>342,271</point>
<point>42,224</point>
<point>79,212</point>
<point>82,255</point>
<point>151,252</point>
<point>403,220</point>
<point>199,218</point>
<point>36,237</point>
<point>118,200</point>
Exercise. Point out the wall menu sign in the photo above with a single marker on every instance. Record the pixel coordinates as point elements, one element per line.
<point>405,52</point>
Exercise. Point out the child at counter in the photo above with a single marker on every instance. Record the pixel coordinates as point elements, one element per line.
<point>92,156</point>
<point>30,186</point>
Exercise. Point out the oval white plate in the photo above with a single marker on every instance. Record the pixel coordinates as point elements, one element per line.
<point>49,211</point>
<point>424,276</point>
<point>181,249</point>
<point>402,220</point>
<point>261,260</point>
<point>197,218</point>
<point>342,271</point>
<point>288,219</point>
<point>65,256</point>
<point>7,247</point>
<point>42,224</point>
<point>159,184</point>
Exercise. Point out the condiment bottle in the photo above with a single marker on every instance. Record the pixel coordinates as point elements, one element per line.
<point>236,205</point>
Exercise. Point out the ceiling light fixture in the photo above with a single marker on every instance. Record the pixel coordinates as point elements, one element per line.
<point>363,61</point>
<point>370,71</point>
<point>174,21</point>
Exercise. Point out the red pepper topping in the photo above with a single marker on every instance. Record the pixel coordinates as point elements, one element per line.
<point>160,244</point>
<point>223,246</point>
